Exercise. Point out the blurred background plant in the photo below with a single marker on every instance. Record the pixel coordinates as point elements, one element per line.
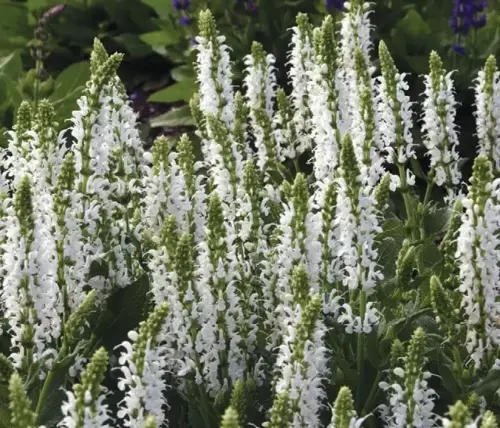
<point>45,44</point>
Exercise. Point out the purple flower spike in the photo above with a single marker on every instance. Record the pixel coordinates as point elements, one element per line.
<point>180,4</point>
<point>335,4</point>
<point>458,49</point>
<point>465,16</point>
<point>184,20</point>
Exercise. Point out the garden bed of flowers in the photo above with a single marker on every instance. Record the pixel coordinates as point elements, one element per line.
<point>266,296</point>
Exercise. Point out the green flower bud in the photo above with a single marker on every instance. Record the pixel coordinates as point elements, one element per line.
<point>448,248</point>
<point>482,176</point>
<point>388,68</point>
<point>150,422</point>
<point>405,264</point>
<point>23,124</point>
<point>148,332</point>
<point>6,368</point>
<point>185,261</point>
<point>489,420</point>
<point>460,416</point>
<point>21,415</point>
<point>98,56</point>
<point>160,150</point>
<point>88,391</point>
<point>305,329</point>
<point>23,205</point>
<point>241,112</point>
<point>230,419</point>
<point>414,364</point>
<point>65,180</point>
<point>382,192</point>
<point>169,235</point>
<point>343,409</point>
<point>197,114</point>
<point>350,167</point>
<point>208,27</point>
<point>239,400</point>
<point>281,414</point>
<point>300,285</point>
<point>79,319</point>
<point>443,307</point>
<point>187,160</point>
<point>216,231</point>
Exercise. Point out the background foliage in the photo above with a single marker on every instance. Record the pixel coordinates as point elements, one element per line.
<point>156,39</point>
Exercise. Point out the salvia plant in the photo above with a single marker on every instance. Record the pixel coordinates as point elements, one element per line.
<point>345,297</point>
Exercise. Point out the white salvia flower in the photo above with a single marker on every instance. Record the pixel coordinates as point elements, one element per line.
<point>487,91</point>
<point>411,401</point>
<point>143,366</point>
<point>85,407</point>
<point>395,115</point>
<point>302,363</point>
<point>327,106</point>
<point>214,71</point>
<point>356,225</point>
<point>260,83</point>
<point>300,62</point>
<point>439,128</point>
<point>355,32</point>
<point>30,293</point>
<point>477,245</point>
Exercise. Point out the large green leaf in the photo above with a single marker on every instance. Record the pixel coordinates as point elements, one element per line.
<point>133,44</point>
<point>180,91</point>
<point>70,79</point>
<point>174,118</point>
<point>161,7</point>
<point>68,87</point>
<point>162,37</point>
<point>11,65</point>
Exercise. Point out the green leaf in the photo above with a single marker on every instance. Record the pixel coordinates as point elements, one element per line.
<point>71,79</point>
<point>133,44</point>
<point>489,385</point>
<point>162,37</point>
<point>448,379</point>
<point>395,229</point>
<point>182,73</point>
<point>125,309</point>
<point>162,7</point>
<point>413,25</point>
<point>388,253</point>
<point>437,220</point>
<point>11,65</point>
<point>173,118</point>
<point>430,257</point>
<point>180,91</point>
<point>14,17</point>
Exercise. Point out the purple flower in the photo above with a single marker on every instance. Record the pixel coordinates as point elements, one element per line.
<point>337,4</point>
<point>458,49</point>
<point>185,20</point>
<point>251,6</point>
<point>467,15</point>
<point>180,4</point>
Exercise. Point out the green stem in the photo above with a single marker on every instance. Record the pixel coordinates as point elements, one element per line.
<point>43,395</point>
<point>410,218</point>
<point>361,351</point>
<point>373,392</point>
<point>427,197</point>
<point>38,68</point>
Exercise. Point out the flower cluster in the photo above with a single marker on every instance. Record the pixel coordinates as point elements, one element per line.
<point>264,293</point>
<point>467,15</point>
